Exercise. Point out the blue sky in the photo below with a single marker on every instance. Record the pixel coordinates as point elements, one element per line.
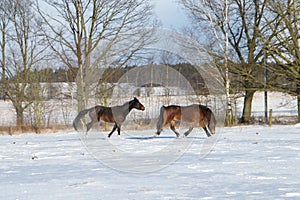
<point>170,13</point>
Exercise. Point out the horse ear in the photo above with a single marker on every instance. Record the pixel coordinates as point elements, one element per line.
<point>135,99</point>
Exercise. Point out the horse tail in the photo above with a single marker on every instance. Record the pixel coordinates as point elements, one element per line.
<point>160,119</point>
<point>212,122</point>
<point>79,116</point>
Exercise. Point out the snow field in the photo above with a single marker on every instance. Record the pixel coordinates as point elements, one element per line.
<point>247,162</point>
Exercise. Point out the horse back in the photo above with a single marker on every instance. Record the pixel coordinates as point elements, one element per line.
<point>190,113</point>
<point>104,113</point>
<point>181,113</point>
<point>172,112</point>
<point>193,113</point>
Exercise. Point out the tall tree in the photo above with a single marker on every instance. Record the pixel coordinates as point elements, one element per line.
<point>23,51</point>
<point>285,48</point>
<point>244,26</point>
<point>85,33</point>
<point>4,21</point>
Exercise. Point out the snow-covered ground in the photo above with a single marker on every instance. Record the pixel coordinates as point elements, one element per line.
<point>247,162</point>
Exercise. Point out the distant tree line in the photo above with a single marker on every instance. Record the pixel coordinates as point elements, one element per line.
<point>113,75</point>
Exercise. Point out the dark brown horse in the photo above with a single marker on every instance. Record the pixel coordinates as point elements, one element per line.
<point>195,115</point>
<point>116,114</point>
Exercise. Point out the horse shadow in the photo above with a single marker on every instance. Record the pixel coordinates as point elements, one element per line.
<point>163,137</point>
<point>149,137</point>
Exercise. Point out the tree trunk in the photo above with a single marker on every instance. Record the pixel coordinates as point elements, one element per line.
<point>82,88</point>
<point>246,117</point>
<point>298,102</point>
<point>20,117</point>
<point>38,117</point>
<point>229,116</point>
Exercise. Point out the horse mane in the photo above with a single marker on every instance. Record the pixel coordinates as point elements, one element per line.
<point>125,107</point>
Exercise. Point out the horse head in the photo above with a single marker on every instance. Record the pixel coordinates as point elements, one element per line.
<point>135,103</point>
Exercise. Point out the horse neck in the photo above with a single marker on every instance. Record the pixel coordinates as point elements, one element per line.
<point>126,108</point>
<point>130,106</point>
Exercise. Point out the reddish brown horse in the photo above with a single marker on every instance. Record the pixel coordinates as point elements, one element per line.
<point>116,114</point>
<point>193,114</point>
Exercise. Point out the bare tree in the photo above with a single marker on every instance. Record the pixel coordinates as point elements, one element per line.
<point>285,48</point>
<point>23,50</point>
<point>85,33</point>
<point>245,27</point>
<point>4,5</point>
<point>37,92</point>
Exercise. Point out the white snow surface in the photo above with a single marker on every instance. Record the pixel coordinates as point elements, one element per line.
<point>246,162</point>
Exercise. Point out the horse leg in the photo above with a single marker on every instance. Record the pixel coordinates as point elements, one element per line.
<point>188,131</point>
<point>94,120</point>
<point>89,126</point>
<point>119,132</point>
<point>172,127</point>
<point>157,132</point>
<point>206,131</point>
<point>113,130</point>
<point>203,125</point>
<point>159,128</point>
<point>211,128</point>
